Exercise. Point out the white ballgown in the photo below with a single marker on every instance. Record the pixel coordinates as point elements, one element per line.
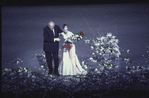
<point>69,63</point>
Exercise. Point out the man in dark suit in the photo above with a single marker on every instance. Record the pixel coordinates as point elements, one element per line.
<point>51,45</point>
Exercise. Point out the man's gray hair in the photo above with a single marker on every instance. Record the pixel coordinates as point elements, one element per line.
<point>51,23</point>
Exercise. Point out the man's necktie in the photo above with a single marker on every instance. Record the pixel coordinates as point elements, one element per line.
<point>53,32</point>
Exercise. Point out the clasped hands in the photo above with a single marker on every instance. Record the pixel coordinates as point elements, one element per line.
<point>58,39</point>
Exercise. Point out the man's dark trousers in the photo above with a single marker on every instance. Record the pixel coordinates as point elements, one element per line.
<point>50,57</point>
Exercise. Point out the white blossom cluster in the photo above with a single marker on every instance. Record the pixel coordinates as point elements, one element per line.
<point>107,45</point>
<point>104,49</point>
<point>75,38</point>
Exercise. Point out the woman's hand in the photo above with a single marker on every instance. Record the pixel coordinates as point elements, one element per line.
<point>62,33</point>
<point>56,39</point>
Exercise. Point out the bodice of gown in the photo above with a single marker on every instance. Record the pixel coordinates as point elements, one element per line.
<point>66,37</point>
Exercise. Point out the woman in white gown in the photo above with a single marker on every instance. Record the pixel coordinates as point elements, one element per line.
<point>69,63</point>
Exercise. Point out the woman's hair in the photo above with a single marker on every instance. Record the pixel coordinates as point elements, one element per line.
<point>64,25</point>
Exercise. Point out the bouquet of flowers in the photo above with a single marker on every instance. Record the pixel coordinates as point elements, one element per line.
<point>76,37</point>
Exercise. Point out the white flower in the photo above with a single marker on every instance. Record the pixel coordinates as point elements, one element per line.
<point>87,41</point>
<point>85,66</point>
<point>42,66</point>
<point>113,37</point>
<point>93,53</point>
<point>98,38</point>
<point>117,50</point>
<point>126,59</point>
<point>116,40</point>
<point>90,58</point>
<point>101,49</point>
<point>111,65</point>
<point>25,69</point>
<point>96,51</point>
<point>82,62</point>
<point>105,39</point>
<point>33,76</point>
<point>43,55</point>
<point>128,51</point>
<point>20,70</point>
<point>17,62</point>
<point>115,45</point>
<point>133,67</point>
<point>74,38</point>
<point>77,35</point>
<point>92,47</point>
<point>97,44</point>
<point>116,66</point>
<point>78,38</point>
<point>105,64</point>
<point>96,69</point>
<point>102,68</point>
<point>112,41</point>
<point>94,61</point>
<point>102,38</point>
<point>44,60</point>
<point>117,55</point>
<point>81,37</point>
<point>109,34</point>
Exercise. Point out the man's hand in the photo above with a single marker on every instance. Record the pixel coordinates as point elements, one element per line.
<point>56,39</point>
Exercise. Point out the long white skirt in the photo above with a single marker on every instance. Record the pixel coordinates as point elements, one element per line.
<point>69,63</point>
